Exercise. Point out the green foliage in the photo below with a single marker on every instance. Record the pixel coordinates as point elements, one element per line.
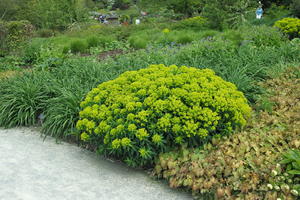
<point>10,63</point>
<point>121,4</point>
<point>23,110</point>
<point>243,65</point>
<point>244,165</point>
<point>93,41</point>
<point>186,7</point>
<point>32,50</point>
<point>78,46</point>
<point>262,35</point>
<point>14,33</point>
<point>142,113</point>
<point>295,7</point>
<point>54,14</point>
<point>45,33</point>
<point>223,14</point>
<point>184,39</point>
<point>195,23</point>
<point>292,160</point>
<point>290,26</point>
<point>138,43</point>
<point>233,35</point>
<point>285,178</point>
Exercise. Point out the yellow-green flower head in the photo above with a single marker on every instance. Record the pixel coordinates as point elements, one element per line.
<point>157,139</point>
<point>132,127</point>
<point>116,143</point>
<point>125,142</point>
<point>144,153</point>
<point>84,136</point>
<point>166,30</point>
<point>141,134</point>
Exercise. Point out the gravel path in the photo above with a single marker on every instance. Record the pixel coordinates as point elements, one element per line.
<point>31,169</point>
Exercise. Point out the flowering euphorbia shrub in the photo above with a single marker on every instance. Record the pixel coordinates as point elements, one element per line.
<point>143,113</point>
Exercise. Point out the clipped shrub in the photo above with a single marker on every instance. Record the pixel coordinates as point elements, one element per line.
<point>142,113</point>
<point>290,26</point>
<point>78,46</point>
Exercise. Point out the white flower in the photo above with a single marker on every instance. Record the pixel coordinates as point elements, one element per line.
<point>278,165</point>
<point>295,192</point>
<point>270,186</point>
<point>274,173</point>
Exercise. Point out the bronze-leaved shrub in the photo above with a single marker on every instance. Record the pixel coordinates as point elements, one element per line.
<point>143,113</point>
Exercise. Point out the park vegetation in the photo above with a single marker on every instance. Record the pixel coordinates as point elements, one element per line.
<point>201,93</point>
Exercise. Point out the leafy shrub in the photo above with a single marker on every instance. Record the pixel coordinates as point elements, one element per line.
<point>18,31</point>
<point>104,41</point>
<point>138,43</point>
<point>196,23</point>
<point>10,63</point>
<point>290,26</point>
<point>292,162</point>
<point>241,165</point>
<point>145,112</point>
<point>3,35</point>
<point>208,33</point>
<point>92,41</point>
<point>32,50</point>
<point>232,35</point>
<point>45,33</point>
<point>184,39</point>
<point>263,36</point>
<point>78,46</point>
<point>13,33</point>
<point>25,109</point>
<point>295,7</point>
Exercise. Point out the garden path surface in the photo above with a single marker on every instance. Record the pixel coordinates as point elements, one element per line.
<point>33,169</point>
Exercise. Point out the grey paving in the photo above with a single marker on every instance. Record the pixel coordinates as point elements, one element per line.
<point>33,169</point>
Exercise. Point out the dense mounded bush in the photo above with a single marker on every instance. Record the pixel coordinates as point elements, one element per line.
<point>145,112</point>
<point>290,26</point>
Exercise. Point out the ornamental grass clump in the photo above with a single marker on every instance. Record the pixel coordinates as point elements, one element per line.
<point>143,113</point>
